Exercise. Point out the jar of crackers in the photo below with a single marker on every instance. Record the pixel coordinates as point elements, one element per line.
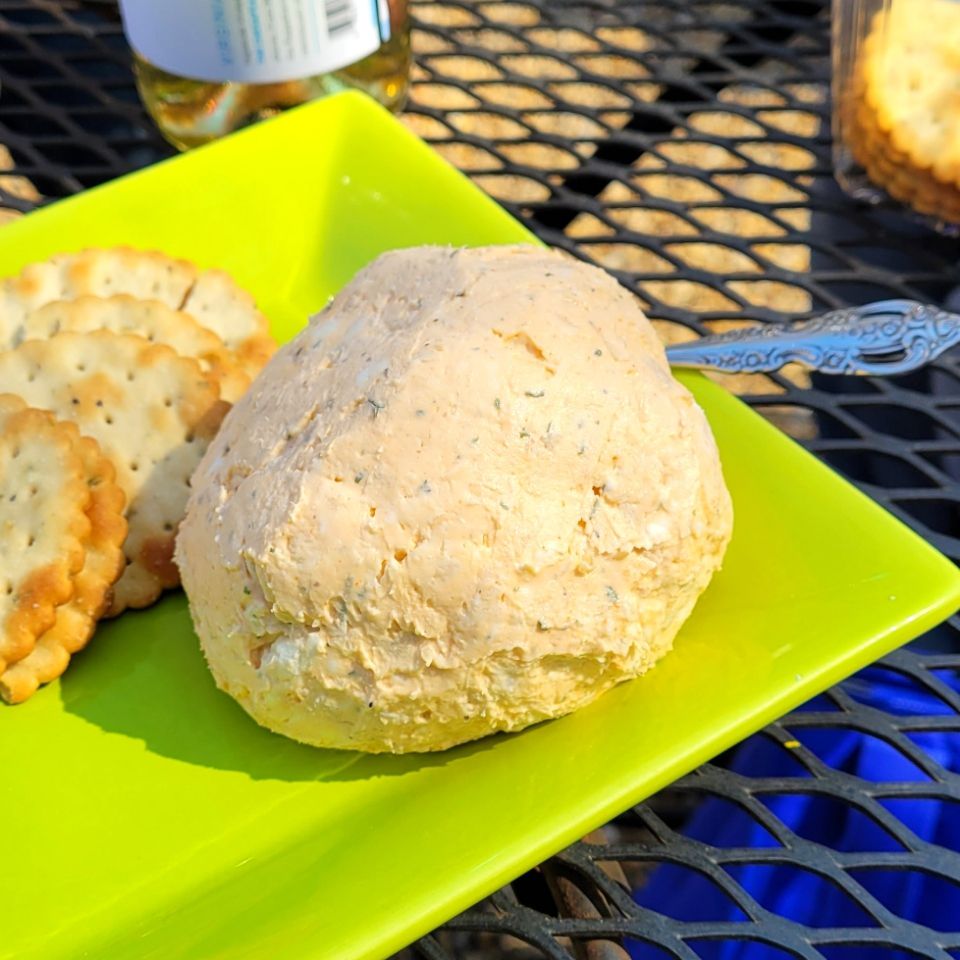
<point>896,94</point>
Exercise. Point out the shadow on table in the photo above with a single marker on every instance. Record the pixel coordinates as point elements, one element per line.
<point>144,677</point>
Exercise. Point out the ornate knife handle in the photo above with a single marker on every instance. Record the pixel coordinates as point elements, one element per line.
<point>880,339</point>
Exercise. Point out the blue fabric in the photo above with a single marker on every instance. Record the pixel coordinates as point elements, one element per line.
<point>802,895</point>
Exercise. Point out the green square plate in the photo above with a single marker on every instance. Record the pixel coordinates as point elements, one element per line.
<point>146,816</point>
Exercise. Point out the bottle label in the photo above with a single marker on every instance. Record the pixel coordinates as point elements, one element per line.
<point>254,41</point>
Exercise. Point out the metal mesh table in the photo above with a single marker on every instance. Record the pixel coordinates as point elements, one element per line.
<point>683,145</point>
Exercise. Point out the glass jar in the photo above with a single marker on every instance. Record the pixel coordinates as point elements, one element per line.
<point>896,95</point>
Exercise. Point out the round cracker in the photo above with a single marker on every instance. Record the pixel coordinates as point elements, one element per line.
<point>228,310</point>
<point>76,619</point>
<point>210,296</point>
<point>151,319</point>
<point>103,273</point>
<point>43,518</point>
<point>153,413</point>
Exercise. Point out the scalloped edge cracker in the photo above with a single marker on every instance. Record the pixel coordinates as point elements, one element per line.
<point>151,319</point>
<point>153,413</point>
<point>212,297</point>
<point>43,508</point>
<point>76,620</point>
<point>228,310</point>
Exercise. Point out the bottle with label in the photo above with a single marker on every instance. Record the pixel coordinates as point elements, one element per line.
<point>207,67</point>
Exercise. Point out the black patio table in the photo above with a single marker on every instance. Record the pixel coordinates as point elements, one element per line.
<point>685,146</point>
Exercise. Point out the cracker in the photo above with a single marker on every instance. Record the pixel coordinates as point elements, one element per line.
<point>76,620</point>
<point>16,186</point>
<point>210,296</point>
<point>150,319</point>
<point>901,175</point>
<point>43,522</point>
<point>230,312</point>
<point>153,413</point>
<point>67,276</point>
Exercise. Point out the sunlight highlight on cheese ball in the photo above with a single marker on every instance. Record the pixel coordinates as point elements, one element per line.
<point>468,497</point>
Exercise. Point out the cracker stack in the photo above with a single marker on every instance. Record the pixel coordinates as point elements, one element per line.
<point>118,367</point>
<point>901,116</point>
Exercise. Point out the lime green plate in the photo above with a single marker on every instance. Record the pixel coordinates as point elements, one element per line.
<point>145,816</point>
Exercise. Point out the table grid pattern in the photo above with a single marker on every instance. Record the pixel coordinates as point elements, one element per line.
<point>685,147</point>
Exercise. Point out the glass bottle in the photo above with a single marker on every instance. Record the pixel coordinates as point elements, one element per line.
<point>207,67</point>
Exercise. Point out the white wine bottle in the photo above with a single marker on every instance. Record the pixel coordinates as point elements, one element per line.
<point>207,67</point>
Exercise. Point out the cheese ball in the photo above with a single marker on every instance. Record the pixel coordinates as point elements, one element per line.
<point>468,497</point>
